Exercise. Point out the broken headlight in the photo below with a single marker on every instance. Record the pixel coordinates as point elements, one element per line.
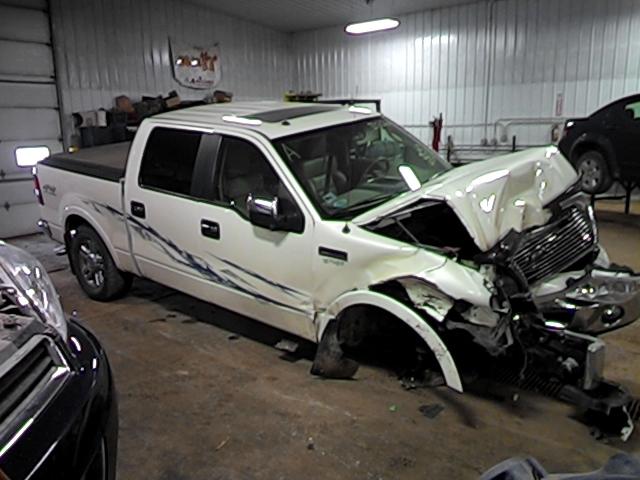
<point>34,289</point>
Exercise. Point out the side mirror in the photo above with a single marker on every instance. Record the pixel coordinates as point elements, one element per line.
<point>271,213</point>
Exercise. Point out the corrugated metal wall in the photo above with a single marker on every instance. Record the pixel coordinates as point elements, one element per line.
<point>480,63</point>
<point>106,48</point>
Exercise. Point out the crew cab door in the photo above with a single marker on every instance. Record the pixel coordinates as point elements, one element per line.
<point>264,274</point>
<point>629,147</point>
<point>162,204</point>
<point>622,128</point>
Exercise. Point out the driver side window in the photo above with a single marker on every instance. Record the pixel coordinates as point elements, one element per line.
<point>242,171</point>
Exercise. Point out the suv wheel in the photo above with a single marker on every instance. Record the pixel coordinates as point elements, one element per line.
<point>94,267</point>
<point>594,172</point>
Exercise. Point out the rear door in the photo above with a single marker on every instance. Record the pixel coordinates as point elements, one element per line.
<point>161,203</point>
<point>628,144</point>
<point>29,120</point>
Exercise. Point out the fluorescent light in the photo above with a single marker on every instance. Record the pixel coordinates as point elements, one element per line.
<point>363,110</point>
<point>372,26</point>
<point>409,177</point>
<point>29,156</point>
<point>242,120</point>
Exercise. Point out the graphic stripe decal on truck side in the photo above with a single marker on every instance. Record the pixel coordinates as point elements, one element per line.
<point>200,265</point>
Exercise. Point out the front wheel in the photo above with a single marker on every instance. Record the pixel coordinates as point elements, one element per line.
<point>94,268</point>
<point>594,172</point>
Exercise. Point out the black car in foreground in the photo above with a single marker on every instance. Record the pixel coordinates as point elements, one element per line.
<point>606,145</point>
<point>58,409</point>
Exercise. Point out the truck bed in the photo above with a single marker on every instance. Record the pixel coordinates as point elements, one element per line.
<point>106,162</point>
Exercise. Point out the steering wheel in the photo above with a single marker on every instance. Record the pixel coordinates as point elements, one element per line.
<point>381,166</point>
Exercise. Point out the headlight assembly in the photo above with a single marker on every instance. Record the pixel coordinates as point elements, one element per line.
<point>33,286</point>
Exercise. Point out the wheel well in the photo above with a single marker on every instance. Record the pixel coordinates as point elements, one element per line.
<point>72,222</point>
<point>585,147</point>
<point>375,336</point>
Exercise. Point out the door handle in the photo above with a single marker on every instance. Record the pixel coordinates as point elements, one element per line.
<point>138,210</point>
<point>210,229</point>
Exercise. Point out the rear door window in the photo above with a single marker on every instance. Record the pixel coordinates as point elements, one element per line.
<point>169,160</point>
<point>632,110</point>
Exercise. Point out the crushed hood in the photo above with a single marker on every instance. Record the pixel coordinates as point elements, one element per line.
<point>493,196</point>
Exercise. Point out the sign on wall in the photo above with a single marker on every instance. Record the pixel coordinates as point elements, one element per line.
<point>196,67</point>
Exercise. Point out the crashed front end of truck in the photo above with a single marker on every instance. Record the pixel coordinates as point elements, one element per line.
<point>549,288</point>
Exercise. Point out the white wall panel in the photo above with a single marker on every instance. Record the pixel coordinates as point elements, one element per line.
<point>29,124</point>
<point>24,24</point>
<point>28,95</point>
<point>107,48</point>
<point>483,62</point>
<point>19,59</point>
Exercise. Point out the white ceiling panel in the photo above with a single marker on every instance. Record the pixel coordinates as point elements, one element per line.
<point>298,15</point>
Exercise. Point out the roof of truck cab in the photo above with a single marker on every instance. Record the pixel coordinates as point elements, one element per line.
<point>272,119</point>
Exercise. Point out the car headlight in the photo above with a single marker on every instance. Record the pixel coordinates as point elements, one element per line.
<point>33,286</point>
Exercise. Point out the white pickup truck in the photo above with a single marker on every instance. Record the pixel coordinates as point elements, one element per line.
<point>337,225</point>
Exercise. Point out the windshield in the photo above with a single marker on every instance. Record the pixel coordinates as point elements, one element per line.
<point>351,168</point>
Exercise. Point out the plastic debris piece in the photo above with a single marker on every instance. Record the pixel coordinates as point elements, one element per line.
<point>431,411</point>
<point>287,345</point>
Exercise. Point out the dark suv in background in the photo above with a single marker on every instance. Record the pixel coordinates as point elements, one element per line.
<point>606,145</point>
<point>58,410</point>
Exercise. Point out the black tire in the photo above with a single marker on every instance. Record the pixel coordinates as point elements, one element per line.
<point>94,268</point>
<point>593,169</point>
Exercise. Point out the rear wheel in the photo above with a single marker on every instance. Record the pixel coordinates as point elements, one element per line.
<point>594,172</point>
<point>94,267</point>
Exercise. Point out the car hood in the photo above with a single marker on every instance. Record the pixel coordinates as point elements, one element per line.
<point>494,196</point>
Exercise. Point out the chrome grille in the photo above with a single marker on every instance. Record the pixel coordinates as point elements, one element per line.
<point>28,380</point>
<point>24,378</point>
<point>553,248</point>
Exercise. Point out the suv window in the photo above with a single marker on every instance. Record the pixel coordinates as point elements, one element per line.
<point>632,110</point>
<point>244,170</point>
<point>168,160</point>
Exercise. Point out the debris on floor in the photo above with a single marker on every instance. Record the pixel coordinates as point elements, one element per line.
<point>222,444</point>
<point>431,410</point>
<point>233,337</point>
<point>393,408</point>
<point>620,466</point>
<point>428,379</point>
<point>287,345</point>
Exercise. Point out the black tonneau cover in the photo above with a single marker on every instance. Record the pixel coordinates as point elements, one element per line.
<point>107,162</point>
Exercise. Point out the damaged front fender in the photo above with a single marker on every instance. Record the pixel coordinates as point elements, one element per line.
<point>402,313</point>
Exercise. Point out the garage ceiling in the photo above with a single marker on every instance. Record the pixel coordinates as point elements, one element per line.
<point>297,15</point>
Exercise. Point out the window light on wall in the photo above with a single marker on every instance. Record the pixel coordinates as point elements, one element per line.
<point>29,156</point>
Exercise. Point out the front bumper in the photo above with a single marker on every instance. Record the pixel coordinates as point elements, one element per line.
<point>601,301</point>
<point>79,423</point>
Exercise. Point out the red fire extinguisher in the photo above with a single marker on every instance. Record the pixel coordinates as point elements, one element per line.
<point>436,124</point>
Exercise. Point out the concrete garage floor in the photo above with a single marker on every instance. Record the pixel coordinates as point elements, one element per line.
<point>204,395</point>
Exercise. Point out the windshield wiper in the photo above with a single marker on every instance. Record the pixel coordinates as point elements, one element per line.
<point>371,202</point>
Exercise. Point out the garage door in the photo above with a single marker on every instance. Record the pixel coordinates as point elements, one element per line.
<point>29,121</point>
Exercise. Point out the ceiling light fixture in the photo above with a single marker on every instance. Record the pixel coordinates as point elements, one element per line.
<point>372,26</point>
